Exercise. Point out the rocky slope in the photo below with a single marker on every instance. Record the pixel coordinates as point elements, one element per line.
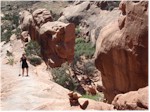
<point>36,92</point>
<point>122,51</point>
<point>121,54</point>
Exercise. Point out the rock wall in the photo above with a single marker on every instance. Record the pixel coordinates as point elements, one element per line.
<point>57,39</point>
<point>122,51</point>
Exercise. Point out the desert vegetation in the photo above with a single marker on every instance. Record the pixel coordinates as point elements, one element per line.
<point>33,52</point>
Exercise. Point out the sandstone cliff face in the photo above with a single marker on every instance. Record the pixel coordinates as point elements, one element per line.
<point>57,42</point>
<point>56,39</point>
<point>122,51</point>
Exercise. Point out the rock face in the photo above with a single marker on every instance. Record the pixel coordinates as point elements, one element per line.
<point>25,20</point>
<point>56,39</point>
<point>89,18</point>
<point>122,51</point>
<point>134,100</point>
<point>25,36</point>
<point>41,16</point>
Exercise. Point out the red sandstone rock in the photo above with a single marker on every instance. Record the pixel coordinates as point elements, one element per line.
<point>122,54</point>
<point>57,39</point>
<point>42,16</point>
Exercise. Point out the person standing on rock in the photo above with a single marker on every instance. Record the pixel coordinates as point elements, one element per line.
<point>24,64</point>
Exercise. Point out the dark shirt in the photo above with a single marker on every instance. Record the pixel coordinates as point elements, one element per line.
<point>24,62</point>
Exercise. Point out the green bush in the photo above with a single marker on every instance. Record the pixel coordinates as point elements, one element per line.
<point>6,36</point>
<point>8,53</point>
<point>62,78</point>
<point>89,68</point>
<point>7,27</point>
<point>14,18</point>
<point>97,97</point>
<point>111,8</point>
<point>33,48</point>
<point>83,48</point>
<point>11,60</point>
<point>77,31</point>
<point>18,32</point>
<point>35,60</point>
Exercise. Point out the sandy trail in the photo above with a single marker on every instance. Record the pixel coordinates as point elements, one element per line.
<point>26,93</point>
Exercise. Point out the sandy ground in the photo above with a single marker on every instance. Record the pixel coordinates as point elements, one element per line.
<point>26,93</point>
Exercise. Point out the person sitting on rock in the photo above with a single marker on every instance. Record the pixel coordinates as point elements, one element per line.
<point>24,64</point>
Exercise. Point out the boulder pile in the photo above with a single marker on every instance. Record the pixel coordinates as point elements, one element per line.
<point>56,38</point>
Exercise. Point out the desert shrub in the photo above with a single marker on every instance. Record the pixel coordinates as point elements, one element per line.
<point>8,53</point>
<point>83,48</point>
<point>33,48</point>
<point>6,36</point>
<point>61,77</point>
<point>111,8</point>
<point>33,51</point>
<point>18,32</point>
<point>6,26</point>
<point>97,97</point>
<point>34,60</point>
<point>11,60</point>
<point>13,17</point>
<point>89,68</point>
<point>77,31</point>
<point>116,3</point>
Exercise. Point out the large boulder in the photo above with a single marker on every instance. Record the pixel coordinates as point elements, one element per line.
<point>25,37</point>
<point>122,51</point>
<point>134,100</point>
<point>25,20</point>
<point>56,39</point>
<point>27,24</point>
<point>41,16</point>
<point>57,42</point>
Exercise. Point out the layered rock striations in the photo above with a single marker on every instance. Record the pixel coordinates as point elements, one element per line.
<point>56,39</point>
<point>122,51</point>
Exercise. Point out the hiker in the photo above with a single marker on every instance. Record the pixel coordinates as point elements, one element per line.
<point>24,64</point>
